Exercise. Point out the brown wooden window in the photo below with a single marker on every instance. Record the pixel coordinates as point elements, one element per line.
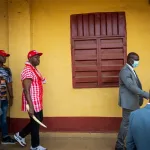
<point>98,46</point>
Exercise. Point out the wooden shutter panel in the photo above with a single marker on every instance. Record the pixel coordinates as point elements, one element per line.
<point>98,43</point>
<point>85,70</point>
<point>112,60</point>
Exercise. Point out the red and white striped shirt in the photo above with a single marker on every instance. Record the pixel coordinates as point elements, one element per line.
<point>36,89</point>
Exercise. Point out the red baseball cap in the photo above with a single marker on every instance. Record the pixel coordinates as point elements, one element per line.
<point>33,53</point>
<point>3,53</point>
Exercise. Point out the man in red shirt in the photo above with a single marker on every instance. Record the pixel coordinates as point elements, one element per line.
<point>32,82</point>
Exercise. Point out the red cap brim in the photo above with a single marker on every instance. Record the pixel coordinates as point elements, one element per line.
<point>40,54</point>
<point>7,55</point>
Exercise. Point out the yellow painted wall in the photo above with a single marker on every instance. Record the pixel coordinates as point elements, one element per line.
<point>19,45</point>
<point>3,25</point>
<point>47,29</point>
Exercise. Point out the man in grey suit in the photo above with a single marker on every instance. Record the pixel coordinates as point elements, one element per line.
<point>130,96</point>
<point>138,137</point>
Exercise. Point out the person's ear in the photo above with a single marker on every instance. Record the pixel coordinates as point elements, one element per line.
<point>131,61</point>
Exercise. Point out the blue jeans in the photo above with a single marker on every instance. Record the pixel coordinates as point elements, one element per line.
<point>3,118</point>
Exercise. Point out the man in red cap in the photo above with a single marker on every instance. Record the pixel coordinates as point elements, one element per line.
<point>32,82</point>
<point>6,93</point>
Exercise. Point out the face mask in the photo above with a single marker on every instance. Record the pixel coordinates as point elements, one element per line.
<point>135,64</point>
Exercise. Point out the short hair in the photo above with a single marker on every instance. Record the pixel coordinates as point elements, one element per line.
<point>130,55</point>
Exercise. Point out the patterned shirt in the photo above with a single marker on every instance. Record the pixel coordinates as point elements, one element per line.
<point>5,77</point>
<point>36,89</point>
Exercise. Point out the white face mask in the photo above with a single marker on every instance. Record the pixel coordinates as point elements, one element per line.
<point>135,64</point>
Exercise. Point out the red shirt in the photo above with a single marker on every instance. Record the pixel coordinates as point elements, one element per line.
<point>36,89</point>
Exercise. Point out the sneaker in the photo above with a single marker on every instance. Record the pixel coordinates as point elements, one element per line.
<point>19,139</point>
<point>38,148</point>
<point>8,140</point>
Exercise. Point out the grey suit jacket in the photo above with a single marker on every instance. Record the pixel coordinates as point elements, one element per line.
<point>130,90</point>
<point>138,137</point>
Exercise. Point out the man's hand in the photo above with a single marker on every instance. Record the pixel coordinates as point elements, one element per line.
<point>10,91</point>
<point>10,101</point>
<point>31,110</point>
<point>26,90</point>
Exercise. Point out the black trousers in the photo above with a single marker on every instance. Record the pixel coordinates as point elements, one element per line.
<point>33,128</point>
<point>123,128</point>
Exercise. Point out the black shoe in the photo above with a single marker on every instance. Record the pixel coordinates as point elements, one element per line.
<point>119,148</point>
<point>8,140</point>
